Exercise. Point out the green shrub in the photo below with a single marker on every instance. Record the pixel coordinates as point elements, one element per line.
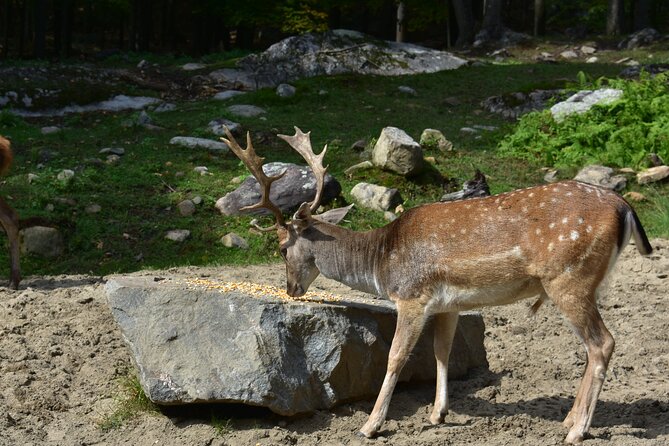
<point>620,134</point>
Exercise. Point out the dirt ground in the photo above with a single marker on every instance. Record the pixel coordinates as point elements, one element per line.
<point>62,357</point>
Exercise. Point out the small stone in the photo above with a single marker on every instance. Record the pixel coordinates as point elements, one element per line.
<point>202,170</point>
<point>551,176</point>
<point>430,159</point>
<point>587,49</point>
<point>237,180</point>
<point>49,207</point>
<point>359,145</point>
<point>165,107</point>
<point>634,196</point>
<point>177,235</point>
<point>197,200</point>
<point>143,119</point>
<point>285,91</point>
<point>186,208</point>
<point>569,54</point>
<point>389,216</point>
<point>652,174</point>
<point>112,150</point>
<point>113,159</point>
<point>593,59</point>
<point>49,130</point>
<point>65,176</point>
<point>407,90</point>
<point>227,94</point>
<point>233,240</point>
<point>192,66</point>
<point>365,165</point>
<point>32,177</point>
<point>627,170</point>
<point>468,130</point>
<point>246,111</point>
<point>93,208</point>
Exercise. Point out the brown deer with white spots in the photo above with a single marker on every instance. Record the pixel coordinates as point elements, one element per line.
<point>556,242</point>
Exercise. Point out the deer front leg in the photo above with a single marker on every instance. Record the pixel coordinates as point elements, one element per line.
<point>410,322</point>
<point>444,331</point>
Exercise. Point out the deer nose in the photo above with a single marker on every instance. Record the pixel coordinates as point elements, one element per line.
<point>295,290</point>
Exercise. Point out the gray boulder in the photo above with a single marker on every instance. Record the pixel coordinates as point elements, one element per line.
<point>640,38</point>
<point>213,342</point>
<point>334,52</point>
<point>375,197</point>
<point>294,188</point>
<point>434,139</point>
<point>232,240</point>
<point>398,152</point>
<point>601,176</point>
<point>583,101</point>
<point>41,241</point>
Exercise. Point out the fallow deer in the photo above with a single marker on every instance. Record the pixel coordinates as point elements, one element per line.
<point>9,219</point>
<point>554,241</point>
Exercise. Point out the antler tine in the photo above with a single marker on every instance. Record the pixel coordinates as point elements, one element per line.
<point>301,142</point>
<point>253,163</point>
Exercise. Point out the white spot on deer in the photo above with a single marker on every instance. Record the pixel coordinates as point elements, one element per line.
<point>531,194</point>
<point>468,206</point>
<point>553,200</point>
<point>463,231</point>
<point>452,220</point>
<point>580,220</point>
<point>542,204</point>
<point>525,209</point>
<point>552,225</point>
<point>555,189</point>
<point>565,220</point>
<point>567,269</point>
<point>574,235</point>
<point>569,194</point>
<point>562,238</point>
<point>550,246</point>
<point>588,229</point>
<point>497,200</point>
<point>538,231</point>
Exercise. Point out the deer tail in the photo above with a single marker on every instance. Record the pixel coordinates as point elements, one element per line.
<point>638,233</point>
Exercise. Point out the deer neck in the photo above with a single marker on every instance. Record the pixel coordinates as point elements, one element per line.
<point>349,257</point>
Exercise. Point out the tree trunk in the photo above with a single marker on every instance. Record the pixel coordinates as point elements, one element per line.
<point>39,47</point>
<point>539,18</point>
<point>641,14</point>
<point>614,18</point>
<point>464,17</point>
<point>399,32</point>
<point>492,19</point>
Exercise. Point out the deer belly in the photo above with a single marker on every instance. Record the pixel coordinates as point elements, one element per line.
<point>447,298</point>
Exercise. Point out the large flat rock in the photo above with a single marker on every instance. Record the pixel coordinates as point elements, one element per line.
<point>198,340</point>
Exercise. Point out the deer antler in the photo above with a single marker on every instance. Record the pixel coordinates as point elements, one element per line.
<point>302,144</point>
<point>253,162</point>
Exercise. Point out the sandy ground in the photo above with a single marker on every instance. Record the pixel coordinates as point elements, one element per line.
<point>62,357</point>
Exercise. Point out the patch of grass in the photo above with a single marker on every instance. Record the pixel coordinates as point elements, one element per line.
<point>622,134</point>
<point>130,402</point>
<point>222,426</point>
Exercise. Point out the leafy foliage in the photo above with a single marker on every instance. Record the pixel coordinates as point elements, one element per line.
<point>302,17</point>
<point>621,134</point>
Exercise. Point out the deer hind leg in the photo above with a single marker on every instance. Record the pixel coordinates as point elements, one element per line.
<point>582,313</point>
<point>10,223</point>
<point>444,332</point>
<point>410,322</point>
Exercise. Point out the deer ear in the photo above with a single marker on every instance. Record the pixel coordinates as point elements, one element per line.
<point>303,213</point>
<point>333,216</point>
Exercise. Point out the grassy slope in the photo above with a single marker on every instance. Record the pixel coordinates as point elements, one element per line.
<point>138,195</point>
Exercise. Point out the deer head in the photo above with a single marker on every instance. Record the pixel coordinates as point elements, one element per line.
<point>296,235</point>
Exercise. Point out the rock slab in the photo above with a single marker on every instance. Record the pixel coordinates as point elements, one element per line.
<point>297,186</point>
<point>195,343</point>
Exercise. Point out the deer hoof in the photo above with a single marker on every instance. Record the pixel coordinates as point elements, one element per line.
<point>574,438</point>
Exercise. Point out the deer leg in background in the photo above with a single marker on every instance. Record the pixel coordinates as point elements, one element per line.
<point>410,322</point>
<point>581,311</point>
<point>10,222</point>
<point>444,332</point>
